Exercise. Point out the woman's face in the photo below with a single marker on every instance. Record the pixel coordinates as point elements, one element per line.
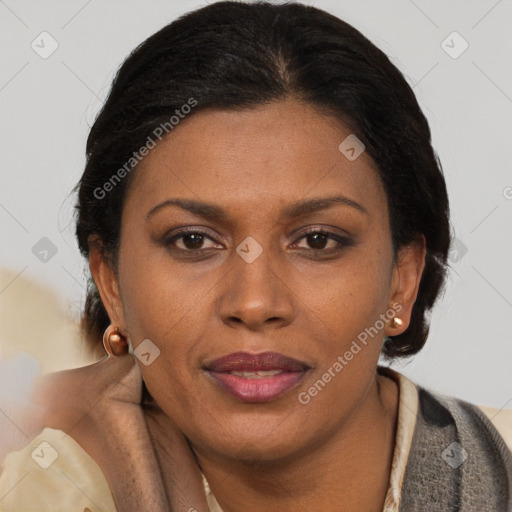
<point>251,279</point>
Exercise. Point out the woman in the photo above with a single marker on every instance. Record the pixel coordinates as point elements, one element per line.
<point>264,216</point>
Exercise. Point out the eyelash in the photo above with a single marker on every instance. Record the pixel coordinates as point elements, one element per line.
<point>343,241</point>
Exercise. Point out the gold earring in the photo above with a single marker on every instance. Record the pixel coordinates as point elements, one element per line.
<point>397,322</point>
<point>114,342</point>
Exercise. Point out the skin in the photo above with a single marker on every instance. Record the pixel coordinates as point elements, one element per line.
<point>196,306</point>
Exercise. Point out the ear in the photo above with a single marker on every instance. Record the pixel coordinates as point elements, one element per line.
<point>105,279</point>
<point>405,282</point>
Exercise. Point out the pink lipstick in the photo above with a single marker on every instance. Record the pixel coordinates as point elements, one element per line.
<point>256,377</point>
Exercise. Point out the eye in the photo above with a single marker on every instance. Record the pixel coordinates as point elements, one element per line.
<point>318,240</point>
<point>191,240</point>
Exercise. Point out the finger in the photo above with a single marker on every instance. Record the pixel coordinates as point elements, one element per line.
<point>66,398</point>
<point>112,377</point>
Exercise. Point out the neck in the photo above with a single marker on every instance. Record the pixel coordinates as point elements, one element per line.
<point>351,468</point>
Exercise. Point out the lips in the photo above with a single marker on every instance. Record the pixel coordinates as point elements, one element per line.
<point>265,361</point>
<point>256,377</point>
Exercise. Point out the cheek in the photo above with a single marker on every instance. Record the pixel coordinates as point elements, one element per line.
<point>353,294</point>
<point>349,341</point>
<point>155,292</point>
<point>162,306</point>
<point>164,309</point>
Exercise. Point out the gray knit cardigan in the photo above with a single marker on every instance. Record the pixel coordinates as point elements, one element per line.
<point>458,461</point>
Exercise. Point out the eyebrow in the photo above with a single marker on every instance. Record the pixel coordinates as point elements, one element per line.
<point>213,212</point>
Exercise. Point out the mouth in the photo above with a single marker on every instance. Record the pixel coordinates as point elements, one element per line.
<point>256,378</point>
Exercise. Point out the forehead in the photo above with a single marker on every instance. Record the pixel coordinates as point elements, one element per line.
<point>254,159</point>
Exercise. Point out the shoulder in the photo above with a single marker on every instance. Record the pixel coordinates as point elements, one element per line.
<point>458,457</point>
<point>502,421</point>
<point>53,473</point>
<point>489,428</point>
<point>482,420</point>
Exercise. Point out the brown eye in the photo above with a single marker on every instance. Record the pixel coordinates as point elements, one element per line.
<point>193,240</point>
<point>190,241</point>
<point>318,240</point>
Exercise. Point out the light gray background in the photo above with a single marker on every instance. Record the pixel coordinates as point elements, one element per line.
<point>48,106</point>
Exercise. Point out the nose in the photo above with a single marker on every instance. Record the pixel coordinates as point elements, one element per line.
<point>256,294</point>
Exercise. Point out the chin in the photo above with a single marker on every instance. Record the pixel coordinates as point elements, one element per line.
<point>240,443</point>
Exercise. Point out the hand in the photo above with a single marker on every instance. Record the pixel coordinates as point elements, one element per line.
<point>99,406</point>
